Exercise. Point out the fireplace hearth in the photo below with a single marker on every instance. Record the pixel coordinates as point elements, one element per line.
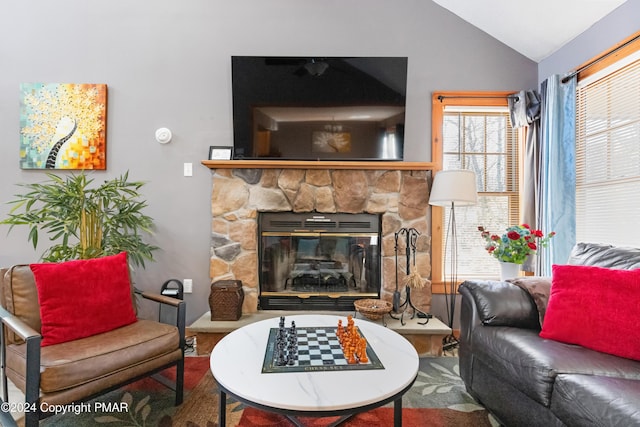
<point>312,261</point>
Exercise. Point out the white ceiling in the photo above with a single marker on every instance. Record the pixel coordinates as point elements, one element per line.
<point>536,29</point>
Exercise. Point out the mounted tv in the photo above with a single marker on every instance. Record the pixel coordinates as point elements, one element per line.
<point>318,108</point>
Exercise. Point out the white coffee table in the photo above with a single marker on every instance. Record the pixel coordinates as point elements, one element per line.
<point>237,361</point>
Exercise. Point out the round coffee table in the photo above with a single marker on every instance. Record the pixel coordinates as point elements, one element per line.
<point>237,362</point>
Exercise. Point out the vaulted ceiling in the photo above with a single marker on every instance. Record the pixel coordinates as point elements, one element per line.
<point>536,29</point>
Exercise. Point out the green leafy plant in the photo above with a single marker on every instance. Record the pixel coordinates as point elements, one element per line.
<point>82,221</point>
<point>516,244</point>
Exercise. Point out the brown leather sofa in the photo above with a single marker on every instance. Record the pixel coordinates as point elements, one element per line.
<point>525,380</point>
<point>80,370</point>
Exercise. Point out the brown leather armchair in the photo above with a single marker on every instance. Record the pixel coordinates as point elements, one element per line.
<point>82,369</point>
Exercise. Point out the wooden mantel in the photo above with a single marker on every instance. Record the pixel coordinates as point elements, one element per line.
<point>316,164</point>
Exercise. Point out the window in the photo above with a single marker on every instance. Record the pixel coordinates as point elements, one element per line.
<point>473,131</point>
<point>608,154</point>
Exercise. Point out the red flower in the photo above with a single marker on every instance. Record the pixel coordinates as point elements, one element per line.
<point>532,245</point>
<point>513,235</point>
<point>526,225</point>
<point>491,249</point>
<point>537,233</point>
<point>495,237</point>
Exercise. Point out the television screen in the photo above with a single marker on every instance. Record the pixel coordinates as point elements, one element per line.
<point>318,108</point>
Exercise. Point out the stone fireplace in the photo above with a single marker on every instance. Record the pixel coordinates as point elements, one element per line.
<point>399,197</point>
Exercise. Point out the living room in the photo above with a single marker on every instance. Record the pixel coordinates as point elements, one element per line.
<point>167,64</point>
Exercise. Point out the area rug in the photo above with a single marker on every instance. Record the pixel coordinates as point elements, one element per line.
<point>437,398</point>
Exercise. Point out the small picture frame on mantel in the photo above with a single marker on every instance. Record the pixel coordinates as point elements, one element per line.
<point>220,153</point>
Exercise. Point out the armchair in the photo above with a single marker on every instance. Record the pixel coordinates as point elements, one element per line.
<point>80,369</point>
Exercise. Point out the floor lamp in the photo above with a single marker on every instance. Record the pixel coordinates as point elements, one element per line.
<point>452,188</point>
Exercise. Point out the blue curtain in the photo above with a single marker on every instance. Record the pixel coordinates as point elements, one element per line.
<point>557,189</point>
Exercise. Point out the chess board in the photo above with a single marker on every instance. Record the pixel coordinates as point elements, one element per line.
<point>318,350</point>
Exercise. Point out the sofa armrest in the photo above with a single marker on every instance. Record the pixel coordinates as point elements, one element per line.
<point>501,304</point>
<point>162,299</point>
<point>489,303</point>
<point>17,326</point>
<point>180,306</point>
<point>32,339</point>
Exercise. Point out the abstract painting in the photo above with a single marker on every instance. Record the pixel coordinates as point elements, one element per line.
<point>63,126</point>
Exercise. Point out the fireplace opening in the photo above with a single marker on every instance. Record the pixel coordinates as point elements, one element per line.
<point>318,261</point>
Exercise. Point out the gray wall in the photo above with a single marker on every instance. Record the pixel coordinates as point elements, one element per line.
<point>612,29</point>
<point>167,63</point>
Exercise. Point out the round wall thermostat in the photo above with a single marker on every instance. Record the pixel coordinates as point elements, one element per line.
<point>163,135</point>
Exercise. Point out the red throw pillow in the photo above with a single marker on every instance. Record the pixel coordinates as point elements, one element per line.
<point>83,298</point>
<point>596,308</point>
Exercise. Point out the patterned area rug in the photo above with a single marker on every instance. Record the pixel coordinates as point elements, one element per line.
<point>437,398</point>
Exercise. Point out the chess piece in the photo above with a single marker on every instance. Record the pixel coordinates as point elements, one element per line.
<point>362,355</point>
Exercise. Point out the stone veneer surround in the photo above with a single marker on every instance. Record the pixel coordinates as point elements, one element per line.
<point>400,196</point>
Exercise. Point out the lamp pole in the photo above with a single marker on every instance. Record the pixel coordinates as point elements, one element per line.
<point>451,188</point>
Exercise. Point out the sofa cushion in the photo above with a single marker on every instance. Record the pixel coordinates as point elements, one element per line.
<point>607,256</point>
<point>589,400</point>
<point>539,289</point>
<point>530,364</point>
<point>595,307</point>
<point>71,364</point>
<point>82,298</point>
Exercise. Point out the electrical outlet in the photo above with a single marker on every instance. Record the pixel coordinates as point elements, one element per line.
<point>188,169</point>
<point>187,286</point>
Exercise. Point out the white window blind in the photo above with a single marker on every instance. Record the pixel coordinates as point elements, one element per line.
<point>608,156</point>
<point>482,140</point>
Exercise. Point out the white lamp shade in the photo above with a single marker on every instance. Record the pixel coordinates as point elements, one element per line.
<point>454,186</point>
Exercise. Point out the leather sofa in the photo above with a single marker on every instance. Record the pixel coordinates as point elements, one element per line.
<point>525,380</point>
<point>81,369</point>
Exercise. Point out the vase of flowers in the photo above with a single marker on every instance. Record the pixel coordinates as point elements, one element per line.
<point>514,246</point>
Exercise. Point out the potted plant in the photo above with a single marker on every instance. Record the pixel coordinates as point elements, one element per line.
<point>514,246</point>
<point>84,221</point>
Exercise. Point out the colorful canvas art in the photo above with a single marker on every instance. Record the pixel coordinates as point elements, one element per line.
<point>63,126</point>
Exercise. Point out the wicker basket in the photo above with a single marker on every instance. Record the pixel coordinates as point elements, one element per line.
<point>226,300</point>
<point>373,309</point>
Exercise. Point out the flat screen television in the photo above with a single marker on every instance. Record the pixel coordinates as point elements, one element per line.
<point>318,108</point>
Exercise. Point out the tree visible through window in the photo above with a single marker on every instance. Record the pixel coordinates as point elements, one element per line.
<point>475,133</point>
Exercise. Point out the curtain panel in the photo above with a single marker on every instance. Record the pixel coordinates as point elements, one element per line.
<point>557,177</point>
<point>524,112</point>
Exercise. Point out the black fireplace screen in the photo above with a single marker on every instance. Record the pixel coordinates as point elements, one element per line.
<point>311,255</point>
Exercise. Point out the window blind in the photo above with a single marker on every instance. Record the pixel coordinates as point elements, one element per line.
<point>485,142</point>
<point>608,156</point>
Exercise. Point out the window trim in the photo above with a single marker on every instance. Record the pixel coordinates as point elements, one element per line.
<point>439,101</point>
